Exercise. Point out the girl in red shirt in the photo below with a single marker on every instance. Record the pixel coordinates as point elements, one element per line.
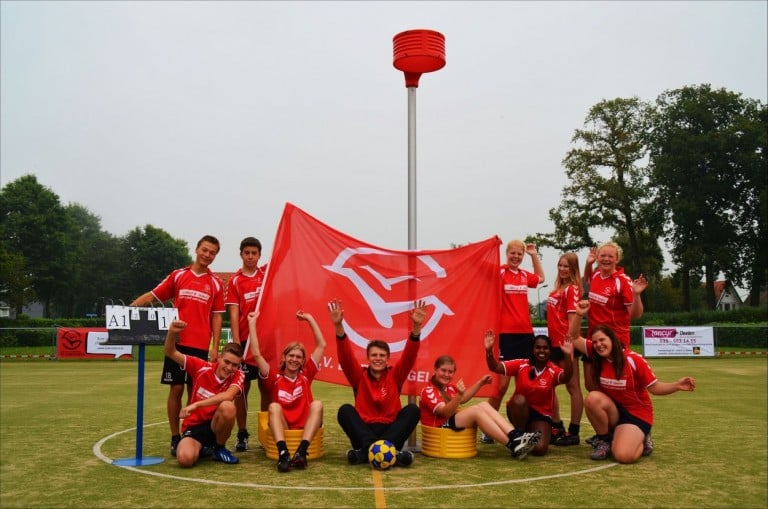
<point>531,406</point>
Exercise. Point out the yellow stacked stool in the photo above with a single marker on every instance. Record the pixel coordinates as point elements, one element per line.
<point>447,443</point>
<point>292,439</point>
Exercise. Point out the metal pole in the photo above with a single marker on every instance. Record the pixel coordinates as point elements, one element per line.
<point>412,245</point>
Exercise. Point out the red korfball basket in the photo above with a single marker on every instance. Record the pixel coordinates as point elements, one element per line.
<point>417,52</point>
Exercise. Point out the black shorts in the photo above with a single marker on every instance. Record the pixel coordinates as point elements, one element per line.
<point>627,418</point>
<point>514,345</point>
<point>173,374</point>
<point>533,415</point>
<point>250,371</point>
<point>202,433</point>
<point>556,355</point>
<point>451,424</point>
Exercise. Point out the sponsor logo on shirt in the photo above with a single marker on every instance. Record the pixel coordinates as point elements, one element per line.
<point>612,383</point>
<point>194,295</point>
<point>508,288</point>
<point>598,298</point>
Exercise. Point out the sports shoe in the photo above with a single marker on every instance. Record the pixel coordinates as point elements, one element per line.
<point>206,452</point>
<point>299,459</point>
<point>648,445</point>
<point>225,456</point>
<point>174,443</point>
<point>566,439</point>
<point>485,439</point>
<point>601,449</point>
<point>356,456</point>
<point>522,444</point>
<point>242,440</point>
<point>557,431</point>
<point>283,462</point>
<point>591,440</point>
<point>404,458</point>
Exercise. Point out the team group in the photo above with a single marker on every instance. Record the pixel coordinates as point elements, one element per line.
<point>618,381</point>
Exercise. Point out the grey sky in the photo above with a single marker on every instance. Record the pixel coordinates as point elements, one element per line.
<point>203,117</point>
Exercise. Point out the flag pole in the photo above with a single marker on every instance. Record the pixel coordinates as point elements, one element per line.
<point>415,52</point>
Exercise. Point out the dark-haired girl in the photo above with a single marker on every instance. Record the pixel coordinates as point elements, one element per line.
<point>531,406</point>
<point>621,412</point>
<point>439,405</point>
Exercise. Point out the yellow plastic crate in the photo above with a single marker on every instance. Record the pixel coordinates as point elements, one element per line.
<point>447,443</point>
<point>292,439</point>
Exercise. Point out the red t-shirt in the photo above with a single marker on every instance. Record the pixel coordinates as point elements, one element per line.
<point>515,314</point>
<point>196,297</point>
<point>631,391</point>
<point>205,385</point>
<point>540,392</point>
<point>431,400</point>
<point>294,395</point>
<point>609,301</point>
<point>560,304</point>
<point>243,291</point>
<point>377,400</point>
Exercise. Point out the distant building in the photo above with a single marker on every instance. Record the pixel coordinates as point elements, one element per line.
<point>726,296</point>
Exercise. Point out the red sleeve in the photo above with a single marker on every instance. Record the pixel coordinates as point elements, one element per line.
<point>406,362</point>
<point>349,364</point>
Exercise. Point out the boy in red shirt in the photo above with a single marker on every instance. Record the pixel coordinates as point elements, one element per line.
<point>210,415</point>
<point>377,413</point>
<point>198,294</point>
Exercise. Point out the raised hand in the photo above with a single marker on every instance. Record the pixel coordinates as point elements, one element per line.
<point>336,312</point>
<point>489,339</point>
<point>418,315</point>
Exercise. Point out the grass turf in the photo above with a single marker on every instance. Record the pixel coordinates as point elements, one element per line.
<point>711,451</point>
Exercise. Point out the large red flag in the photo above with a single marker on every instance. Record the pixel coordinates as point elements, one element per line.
<point>313,263</point>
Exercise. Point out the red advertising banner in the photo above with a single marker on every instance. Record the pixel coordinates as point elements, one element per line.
<point>88,343</point>
<point>313,263</point>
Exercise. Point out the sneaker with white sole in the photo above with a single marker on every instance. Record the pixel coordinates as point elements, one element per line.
<point>224,455</point>
<point>242,440</point>
<point>522,443</point>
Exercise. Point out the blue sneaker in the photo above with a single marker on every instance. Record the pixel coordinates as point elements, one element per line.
<point>225,456</point>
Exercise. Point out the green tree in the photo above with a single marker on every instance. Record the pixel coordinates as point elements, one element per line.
<point>150,255</point>
<point>95,264</point>
<point>32,222</point>
<point>15,281</point>
<point>608,182</point>
<point>709,171</point>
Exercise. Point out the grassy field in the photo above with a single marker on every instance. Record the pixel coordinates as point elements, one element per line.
<point>62,422</point>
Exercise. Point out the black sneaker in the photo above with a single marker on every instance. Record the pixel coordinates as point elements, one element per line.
<point>485,439</point>
<point>591,440</point>
<point>242,440</point>
<point>356,456</point>
<point>174,444</point>
<point>404,458</point>
<point>283,462</point>
<point>566,439</point>
<point>299,460</point>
